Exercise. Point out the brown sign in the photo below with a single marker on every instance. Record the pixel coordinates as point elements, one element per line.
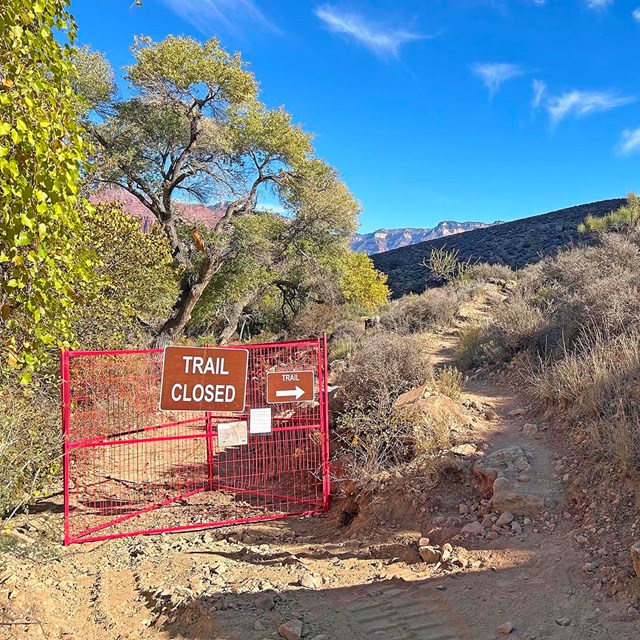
<point>290,386</point>
<point>203,379</point>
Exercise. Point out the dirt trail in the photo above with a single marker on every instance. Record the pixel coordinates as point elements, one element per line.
<point>342,582</point>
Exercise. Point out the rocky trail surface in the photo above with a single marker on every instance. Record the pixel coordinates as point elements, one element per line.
<point>530,564</point>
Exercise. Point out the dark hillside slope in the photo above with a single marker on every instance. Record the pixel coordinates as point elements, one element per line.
<point>516,244</point>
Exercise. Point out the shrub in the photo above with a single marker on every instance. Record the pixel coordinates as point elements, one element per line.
<point>385,439</point>
<point>383,366</point>
<point>445,266</point>
<point>625,219</point>
<point>449,381</point>
<point>30,444</point>
<point>473,346</point>
<point>560,299</point>
<point>484,272</point>
<point>432,309</point>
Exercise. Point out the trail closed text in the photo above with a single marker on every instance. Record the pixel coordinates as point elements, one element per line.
<point>203,379</point>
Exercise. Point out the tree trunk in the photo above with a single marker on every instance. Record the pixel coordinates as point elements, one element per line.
<point>190,293</point>
<point>234,316</point>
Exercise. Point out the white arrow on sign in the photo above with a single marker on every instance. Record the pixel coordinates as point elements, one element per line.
<point>290,393</point>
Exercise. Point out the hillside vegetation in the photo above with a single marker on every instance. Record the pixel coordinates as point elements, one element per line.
<point>514,244</point>
<point>572,325</point>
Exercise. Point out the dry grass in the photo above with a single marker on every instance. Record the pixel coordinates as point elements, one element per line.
<point>386,440</point>
<point>597,384</point>
<point>30,444</point>
<point>383,366</point>
<point>449,382</point>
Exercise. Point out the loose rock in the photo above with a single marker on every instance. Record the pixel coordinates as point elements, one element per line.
<point>506,518</point>
<point>506,628</point>
<point>563,622</point>
<point>291,630</point>
<point>265,601</point>
<point>473,528</point>
<point>431,555</point>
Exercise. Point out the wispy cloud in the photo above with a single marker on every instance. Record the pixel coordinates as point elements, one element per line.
<point>581,103</point>
<point>598,5</point>
<point>630,141</point>
<point>636,14</point>
<point>382,40</point>
<point>494,74</point>
<point>232,15</point>
<point>539,89</point>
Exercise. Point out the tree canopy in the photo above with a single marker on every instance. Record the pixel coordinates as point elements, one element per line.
<point>42,255</point>
<point>193,127</point>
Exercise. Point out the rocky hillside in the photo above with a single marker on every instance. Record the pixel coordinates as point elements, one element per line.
<point>387,239</point>
<point>514,243</point>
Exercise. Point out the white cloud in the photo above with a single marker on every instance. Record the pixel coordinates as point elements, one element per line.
<point>581,103</point>
<point>379,39</point>
<point>630,141</point>
<point>209,15</point>
<point>494,74</point>
<point>636,14</point>
<point>598,4</point>
<point>539,89</point>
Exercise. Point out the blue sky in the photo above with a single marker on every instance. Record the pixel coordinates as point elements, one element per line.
<point>439,110</point>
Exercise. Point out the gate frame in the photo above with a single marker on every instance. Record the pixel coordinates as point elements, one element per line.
<point>322,372</point>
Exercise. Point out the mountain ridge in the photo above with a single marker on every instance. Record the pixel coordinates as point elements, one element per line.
<point>384,239</point>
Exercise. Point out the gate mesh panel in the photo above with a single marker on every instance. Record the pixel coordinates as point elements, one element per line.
<point>131,468</point>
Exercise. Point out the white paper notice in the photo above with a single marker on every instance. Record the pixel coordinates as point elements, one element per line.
<point>260,420</point>
<point>232,434</point>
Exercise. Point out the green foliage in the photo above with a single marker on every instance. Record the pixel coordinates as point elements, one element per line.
<point>194,124</point>
<point>362,286</point>
<point>445,266</point>
<point>135,285</point>
<point>41,150</point>
<point>626,219</point>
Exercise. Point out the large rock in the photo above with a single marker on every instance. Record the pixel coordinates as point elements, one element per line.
<point>505,463</point>
<point>499,472</point>
<point>515,498</point>
<point>432,406</point>
<point>291,630</point>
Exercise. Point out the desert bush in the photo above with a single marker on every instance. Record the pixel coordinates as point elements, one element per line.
<point>474,345</point>
<point>30,443</point>
<point>446,266</point>
<point>597,384</point>
<point>561,299</point>
<point>484,272</point>
<point>432,309</point>
<point>449,381</point>
<point>383,366</point>
<point>626,219</point>
<point>385,439</point>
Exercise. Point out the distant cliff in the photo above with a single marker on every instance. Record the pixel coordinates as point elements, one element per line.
<point>387,239</point>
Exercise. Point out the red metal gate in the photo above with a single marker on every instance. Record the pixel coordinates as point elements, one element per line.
<point>130,468</point>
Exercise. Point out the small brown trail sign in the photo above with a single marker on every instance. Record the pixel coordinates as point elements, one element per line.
<point>203,379</point>
<point>290,386</point>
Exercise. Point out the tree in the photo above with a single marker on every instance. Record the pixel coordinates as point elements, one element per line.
<point>194,126</point>
<point>41,151</point>
<point>135,281</point>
